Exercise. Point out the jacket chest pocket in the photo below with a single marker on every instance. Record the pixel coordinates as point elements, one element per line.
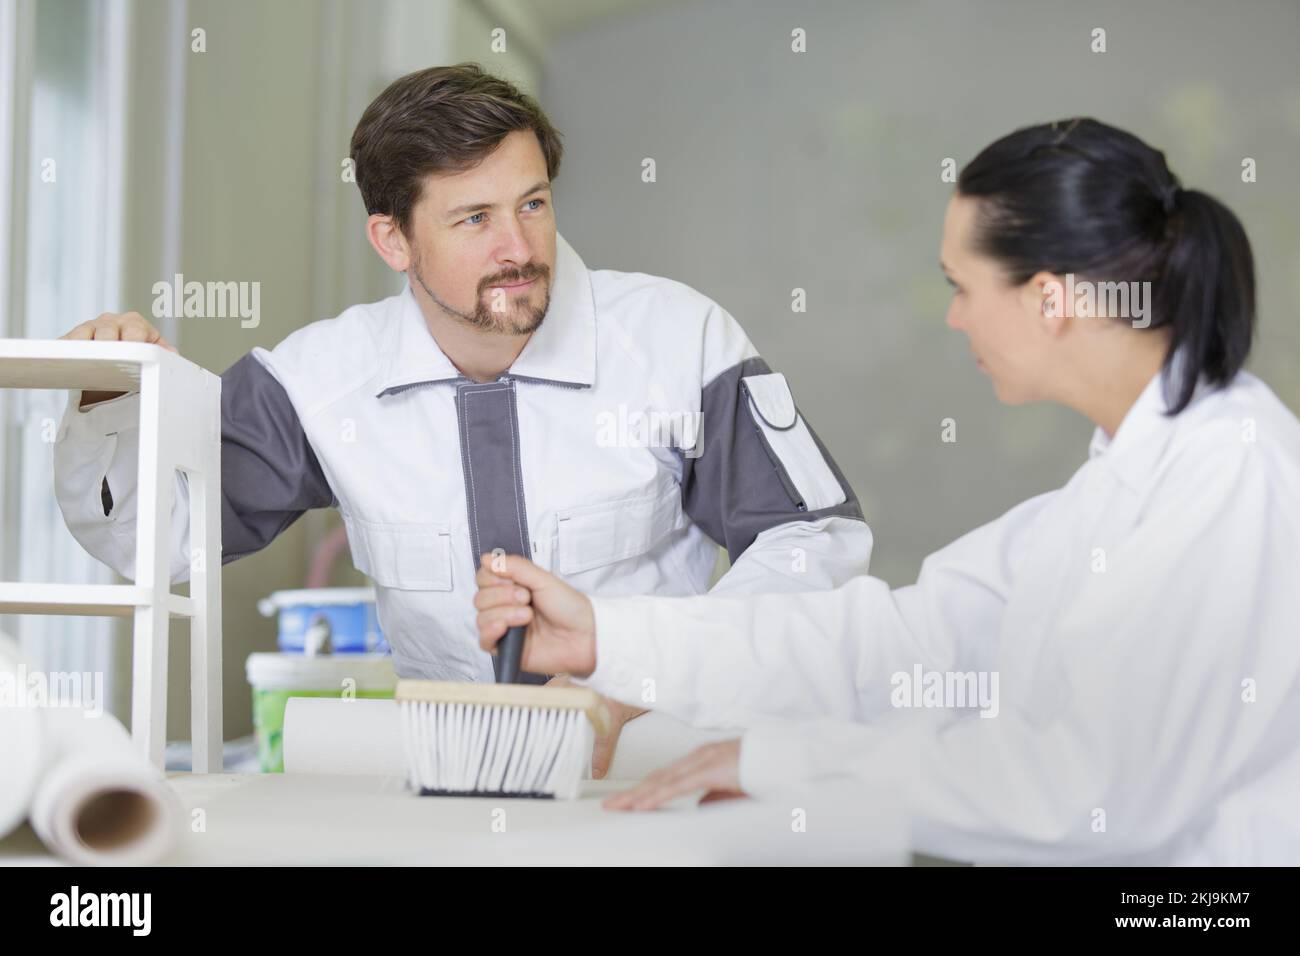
<point>593,535</point>
<point>409,557</point>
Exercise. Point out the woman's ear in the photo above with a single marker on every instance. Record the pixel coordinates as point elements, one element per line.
<point>1047,295</point>
<point>388,241</point>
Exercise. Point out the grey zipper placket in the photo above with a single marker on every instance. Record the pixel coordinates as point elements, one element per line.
<point>488,418</point>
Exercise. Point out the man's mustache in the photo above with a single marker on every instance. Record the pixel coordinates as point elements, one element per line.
<point>518,275</point>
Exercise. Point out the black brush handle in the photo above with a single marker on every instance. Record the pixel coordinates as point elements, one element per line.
<point>511,651</point>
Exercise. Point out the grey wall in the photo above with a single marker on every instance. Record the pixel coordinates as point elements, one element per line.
<point>820,170</point>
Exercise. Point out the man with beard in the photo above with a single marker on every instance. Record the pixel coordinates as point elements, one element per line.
<point>614,427</point>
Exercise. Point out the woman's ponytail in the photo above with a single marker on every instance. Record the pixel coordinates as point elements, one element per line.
<point>1206,294</point>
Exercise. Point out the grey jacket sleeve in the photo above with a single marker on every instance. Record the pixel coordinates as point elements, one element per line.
<point>269,472</point>
<point>761,483</point>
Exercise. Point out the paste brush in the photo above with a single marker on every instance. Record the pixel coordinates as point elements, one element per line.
<point>499,740</point>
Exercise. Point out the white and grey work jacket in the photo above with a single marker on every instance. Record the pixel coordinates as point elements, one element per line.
<point>637,428</point>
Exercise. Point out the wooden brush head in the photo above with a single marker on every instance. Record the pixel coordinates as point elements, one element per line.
<point>534,696</point>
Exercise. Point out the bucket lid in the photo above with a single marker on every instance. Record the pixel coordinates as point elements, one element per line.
<point>270,671</point>
<point>278,600</point>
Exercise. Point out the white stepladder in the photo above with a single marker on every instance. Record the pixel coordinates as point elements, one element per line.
<point>180,429</point>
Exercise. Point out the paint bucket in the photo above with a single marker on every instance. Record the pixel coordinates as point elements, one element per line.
<point>326,620</point>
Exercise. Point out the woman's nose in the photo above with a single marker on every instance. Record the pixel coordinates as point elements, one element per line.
<point>952,318</point>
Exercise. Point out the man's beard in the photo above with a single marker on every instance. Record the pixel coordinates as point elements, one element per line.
<point>483,317</point>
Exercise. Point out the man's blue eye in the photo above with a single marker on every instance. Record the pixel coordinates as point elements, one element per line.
<point>471,219</point>
<point>540,202</point>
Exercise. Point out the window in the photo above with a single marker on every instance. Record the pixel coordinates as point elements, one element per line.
<point>62,132</point>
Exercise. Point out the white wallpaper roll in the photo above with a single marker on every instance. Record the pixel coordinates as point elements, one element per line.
<point>343,735</point>
<point>99,801</point>
<point>92,798</point>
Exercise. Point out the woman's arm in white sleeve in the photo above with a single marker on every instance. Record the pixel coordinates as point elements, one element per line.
<point>726,661</point>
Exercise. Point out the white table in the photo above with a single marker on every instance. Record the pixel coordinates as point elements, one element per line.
<point>307,819</point>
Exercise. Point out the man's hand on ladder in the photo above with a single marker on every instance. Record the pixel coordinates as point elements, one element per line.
<point>127,327</point>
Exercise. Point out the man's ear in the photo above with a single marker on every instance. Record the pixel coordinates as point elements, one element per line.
<point>388,241</point>
<point>1047,296</point>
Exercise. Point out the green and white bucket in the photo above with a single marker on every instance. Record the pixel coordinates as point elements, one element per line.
<point>277,677</point>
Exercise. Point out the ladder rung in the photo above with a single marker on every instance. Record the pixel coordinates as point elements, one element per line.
<point>97,600</point>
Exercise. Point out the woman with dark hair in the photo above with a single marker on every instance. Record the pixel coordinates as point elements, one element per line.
<point>1134,637</point>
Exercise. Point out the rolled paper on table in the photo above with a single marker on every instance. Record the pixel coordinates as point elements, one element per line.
<point>99,801</point>
<point>343,735</point>
<point>91,796</point>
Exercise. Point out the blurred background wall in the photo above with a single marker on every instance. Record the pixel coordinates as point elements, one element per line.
<point>776,170</point>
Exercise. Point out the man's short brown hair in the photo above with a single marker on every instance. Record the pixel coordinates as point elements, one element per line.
<point>443,119</point>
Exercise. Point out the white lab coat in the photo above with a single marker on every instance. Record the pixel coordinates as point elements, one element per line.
<point>1144,625</point>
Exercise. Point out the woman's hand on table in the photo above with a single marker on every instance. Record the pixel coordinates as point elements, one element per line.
<point>713,768</point>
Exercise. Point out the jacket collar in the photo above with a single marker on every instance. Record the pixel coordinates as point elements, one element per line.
<point>1142,437</point>
<point>562,351</point>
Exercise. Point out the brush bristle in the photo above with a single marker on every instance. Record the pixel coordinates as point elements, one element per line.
<point>463,748</point>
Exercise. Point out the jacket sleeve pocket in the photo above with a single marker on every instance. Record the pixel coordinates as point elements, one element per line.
<point>789,442</point>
